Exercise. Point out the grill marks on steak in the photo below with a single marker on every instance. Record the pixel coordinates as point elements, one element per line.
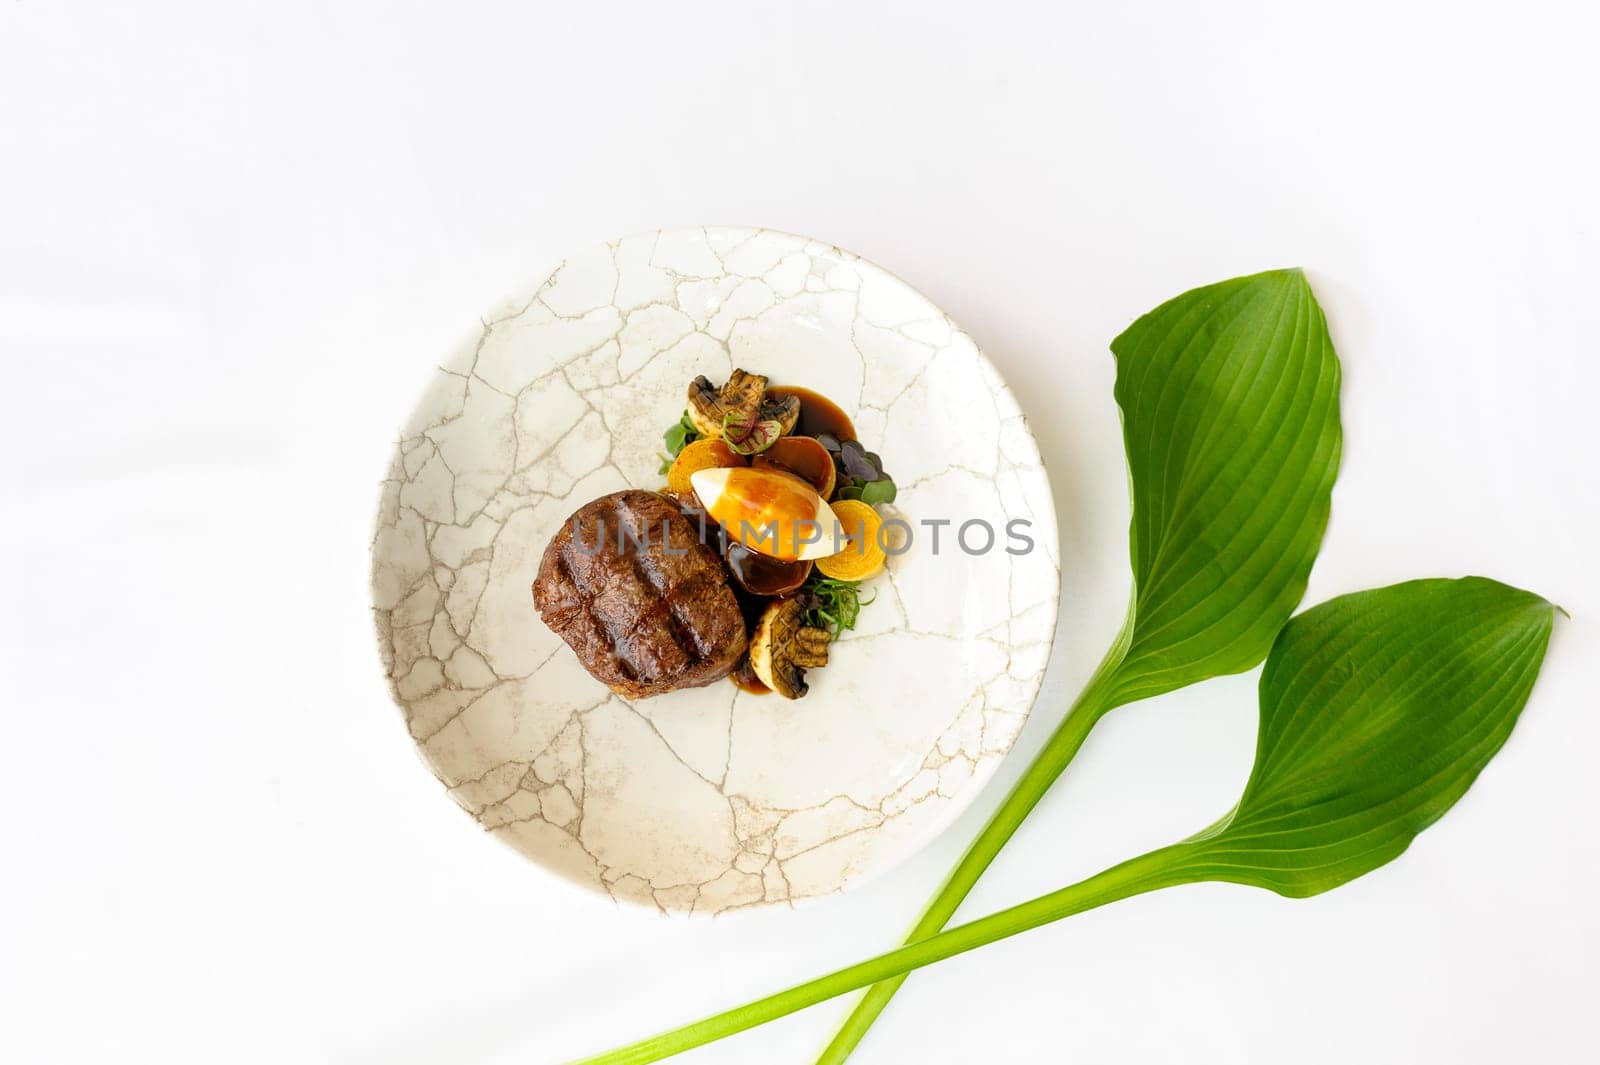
<point>643,620</point>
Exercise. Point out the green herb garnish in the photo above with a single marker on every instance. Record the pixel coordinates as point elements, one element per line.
<point>750,437</point>
<point>677,438</point>
<point>880,491</point>
<point>860,472</point>
<point>833,604</point>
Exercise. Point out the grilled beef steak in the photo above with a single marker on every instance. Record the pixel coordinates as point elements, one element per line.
<point>643,620</point>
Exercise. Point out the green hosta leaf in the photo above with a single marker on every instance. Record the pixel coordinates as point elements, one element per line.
<point>1230,417</point>
<point>1378,710</point>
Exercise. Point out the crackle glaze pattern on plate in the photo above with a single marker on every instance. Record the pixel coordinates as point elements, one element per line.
<point>709,799</point>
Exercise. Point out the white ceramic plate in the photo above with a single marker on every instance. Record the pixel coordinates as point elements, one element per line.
<point>710,799</point>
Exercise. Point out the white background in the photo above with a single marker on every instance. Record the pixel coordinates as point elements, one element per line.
<point>235,238</point>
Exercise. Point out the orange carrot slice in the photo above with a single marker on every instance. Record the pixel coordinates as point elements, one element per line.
<point>863,556</point>
<point>703,454</point>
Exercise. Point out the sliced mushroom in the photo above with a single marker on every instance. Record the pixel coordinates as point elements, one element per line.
<point>783,647</point>
<point>785,411</point>
<point>745,398</point>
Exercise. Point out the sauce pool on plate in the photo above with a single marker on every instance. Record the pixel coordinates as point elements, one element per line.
<point>818,414</point>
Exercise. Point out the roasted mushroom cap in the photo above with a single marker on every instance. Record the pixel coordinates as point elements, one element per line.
<point>784,646</point>
<point>745,398</point>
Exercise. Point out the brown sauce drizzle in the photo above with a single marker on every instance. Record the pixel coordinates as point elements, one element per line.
<point>818,413</point>
<point>744,678</point>
<point>763,575</point>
